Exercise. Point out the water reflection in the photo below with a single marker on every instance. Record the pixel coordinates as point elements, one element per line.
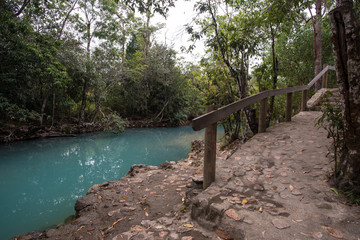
<point>41,179</point>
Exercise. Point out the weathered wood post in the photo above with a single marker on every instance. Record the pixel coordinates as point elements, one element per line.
<point>325,76</point>
<point>262,115</point>
<point>288,106</point>
<point>210,152</point>
<point>304,100</point>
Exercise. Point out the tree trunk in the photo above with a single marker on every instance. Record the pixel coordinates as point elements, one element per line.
<point>43,105</point>
<point>24,5</point>
<point>147,34</point>
<point>53,108</point>
<point>240,75</point>
<point>275,67</point>
<point>83,101</point>
<point>317,43</point>
<point>61,30</point>
<point>250,113</point>
<point>345,29</point>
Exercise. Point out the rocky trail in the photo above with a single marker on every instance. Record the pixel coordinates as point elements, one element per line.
<point>275,186</point>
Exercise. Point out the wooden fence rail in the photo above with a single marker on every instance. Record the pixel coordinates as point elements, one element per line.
<point>210,119</point>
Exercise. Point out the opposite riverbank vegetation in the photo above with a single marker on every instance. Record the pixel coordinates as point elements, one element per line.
<point>19,132</point>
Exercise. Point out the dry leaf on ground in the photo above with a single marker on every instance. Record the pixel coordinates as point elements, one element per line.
<point>188,225</point>
<point>138,228</point>
<point>231,213</point>
<point>222,234</point>
<point>333,232</point>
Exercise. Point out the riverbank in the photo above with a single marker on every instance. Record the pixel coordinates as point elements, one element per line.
<point>12,133</point>
<point>145,198</point>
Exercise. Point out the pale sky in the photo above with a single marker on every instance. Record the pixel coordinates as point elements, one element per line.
<point>174,34</point>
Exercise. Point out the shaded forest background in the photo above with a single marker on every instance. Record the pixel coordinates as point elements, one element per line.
<point>67,63</point>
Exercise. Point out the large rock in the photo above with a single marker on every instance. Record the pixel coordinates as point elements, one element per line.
<point>85,201</point>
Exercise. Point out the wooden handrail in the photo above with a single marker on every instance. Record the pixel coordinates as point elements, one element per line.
<point>310,84</point>
<point>210,119</point>
<point>221,113</point>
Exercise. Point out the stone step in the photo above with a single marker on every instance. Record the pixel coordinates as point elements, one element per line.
<point>323,95</point>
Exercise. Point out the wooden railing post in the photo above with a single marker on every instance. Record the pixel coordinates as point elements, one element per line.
<point>262,115</point>
<point>304,100</point>
<point>288,106</point>
<point>324,80</point>
<point>210,152</point>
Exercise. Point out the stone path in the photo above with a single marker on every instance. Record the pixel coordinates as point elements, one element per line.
<point>273,187</point>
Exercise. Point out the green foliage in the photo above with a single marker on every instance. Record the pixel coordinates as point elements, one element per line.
<point>29,69</point>
<point>15,113</point>
<point>50,69</point>
<point>331,121</point>
<point>153,87</point>
<point>158,6</point>
<point>217,87</point>
<point>353,195</point>
<point>114,123</point>
<point>68,129</point>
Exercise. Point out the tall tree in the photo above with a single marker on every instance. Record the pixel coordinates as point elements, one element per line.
<point>88,26</point>
<point>317,42</point>
<point>275,14</point>
<point>345,28</point>
<point>233,37</point>
<point>316,20</point>
<point>148,8</point>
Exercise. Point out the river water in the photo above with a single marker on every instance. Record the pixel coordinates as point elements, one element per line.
<point>40,180</point>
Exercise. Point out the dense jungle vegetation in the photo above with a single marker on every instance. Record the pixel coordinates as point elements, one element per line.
<point>67,63</point>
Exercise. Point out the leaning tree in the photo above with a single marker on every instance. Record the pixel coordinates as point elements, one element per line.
<point>345,28</point>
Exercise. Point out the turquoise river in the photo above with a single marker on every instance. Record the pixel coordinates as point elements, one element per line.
<point>40,180</point>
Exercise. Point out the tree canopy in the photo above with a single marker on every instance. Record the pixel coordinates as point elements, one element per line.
<point>83,60</point>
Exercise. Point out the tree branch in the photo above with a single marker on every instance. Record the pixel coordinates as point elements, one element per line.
<point>65,20</point>
<point>223,51</point>
<point>26,2</point>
